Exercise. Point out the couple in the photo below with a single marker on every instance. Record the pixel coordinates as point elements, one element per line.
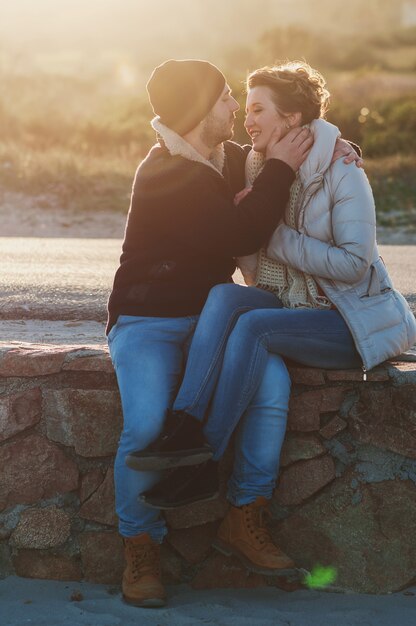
<point>303,233</point>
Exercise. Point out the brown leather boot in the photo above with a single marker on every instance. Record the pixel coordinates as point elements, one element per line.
<point>243,533</point>
<point>141,579</point>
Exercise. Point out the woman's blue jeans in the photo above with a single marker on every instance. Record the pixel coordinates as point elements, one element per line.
<point>238,329</point>
<point>149,356</point>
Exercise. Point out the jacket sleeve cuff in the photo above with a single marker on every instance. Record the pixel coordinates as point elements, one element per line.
<point>275,170</point>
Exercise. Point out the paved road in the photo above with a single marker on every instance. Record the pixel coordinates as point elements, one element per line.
<point>70,279</point>
<point>56,279</point>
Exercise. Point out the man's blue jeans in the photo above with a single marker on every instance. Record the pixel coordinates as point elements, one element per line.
<point>149,354</point>
<point>229,351</point>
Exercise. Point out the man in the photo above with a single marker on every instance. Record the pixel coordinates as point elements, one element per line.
<point>182,234</point>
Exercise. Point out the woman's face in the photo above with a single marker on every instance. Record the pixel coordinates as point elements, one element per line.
<point>262,118</point>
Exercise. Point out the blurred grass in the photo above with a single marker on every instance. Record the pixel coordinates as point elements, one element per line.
<point>80,182</point>
<point>76,141</point>
<point>67,179</point>
<point>394,186</point>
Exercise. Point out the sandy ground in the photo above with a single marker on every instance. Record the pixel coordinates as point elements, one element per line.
<point>48,603</point>
<point>23,216</point>
<point>71,333</point>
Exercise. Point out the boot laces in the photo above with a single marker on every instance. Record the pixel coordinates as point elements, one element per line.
<point>256,525</point>
<point>145,560</point>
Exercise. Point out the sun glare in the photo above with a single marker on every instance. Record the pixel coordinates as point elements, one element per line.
<point>126,75</point>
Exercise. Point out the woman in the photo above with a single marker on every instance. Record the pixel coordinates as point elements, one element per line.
<point>321,297</point>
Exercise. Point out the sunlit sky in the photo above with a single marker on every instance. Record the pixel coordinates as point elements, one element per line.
<point>152,31</point>
<point>129,23</point>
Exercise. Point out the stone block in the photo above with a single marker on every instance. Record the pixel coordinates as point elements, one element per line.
<point>6,565</point>
<point>301,480</point>
<point>306,375</point>
<point>305,408</point>
<point>34,469</point>
<point>19,411</point>
<point>224,572</point>
<point>378,374</point>
<point>46,565</point>
<point>333,397</point>
<point>193,544</point>
<point>304,411</point>
<point>42,528</point>
<point>170,565</point>
<point>88,419</point>
<point>99,507</point>
<point>32,361</point>
<point>386,418</point>
<point>300,448</point>
<point>90,483</point>
<point>357,537</point>
<point>88,361</point>
<point>102,557</point>
<point>403,373</point>
<point>333,427</point>
<point>196,514</point>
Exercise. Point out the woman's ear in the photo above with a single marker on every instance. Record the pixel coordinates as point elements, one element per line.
<point>293,120</point>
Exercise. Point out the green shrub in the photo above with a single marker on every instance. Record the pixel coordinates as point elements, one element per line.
<point>391,128</point>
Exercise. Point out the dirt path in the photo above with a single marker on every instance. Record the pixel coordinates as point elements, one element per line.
<point>39,216</point>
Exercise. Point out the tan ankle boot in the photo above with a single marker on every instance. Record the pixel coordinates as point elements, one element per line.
<point>244,534</point>
<point>141,579</point>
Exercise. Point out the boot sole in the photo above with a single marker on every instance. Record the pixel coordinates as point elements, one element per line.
<point>228,550</point>
<point>175,505</point>
<point>168,461</point>
<point>148,603</point>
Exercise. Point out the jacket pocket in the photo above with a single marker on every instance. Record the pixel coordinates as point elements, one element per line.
<point>379,281</point>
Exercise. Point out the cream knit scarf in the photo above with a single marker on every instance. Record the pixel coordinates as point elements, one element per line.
<point>294,288</point>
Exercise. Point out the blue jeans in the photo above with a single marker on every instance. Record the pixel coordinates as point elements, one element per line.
<point>149,356</point>
<point>237,331</point>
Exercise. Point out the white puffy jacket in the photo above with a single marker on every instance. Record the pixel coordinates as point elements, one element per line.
<point>335,243</point>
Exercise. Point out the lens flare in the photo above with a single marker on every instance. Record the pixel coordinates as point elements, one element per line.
<point>320,577</point>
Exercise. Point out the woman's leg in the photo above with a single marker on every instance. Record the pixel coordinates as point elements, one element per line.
<point>147,354</point>
<point>260,436</point>
<point>222,309</point>
<point>311,337</point>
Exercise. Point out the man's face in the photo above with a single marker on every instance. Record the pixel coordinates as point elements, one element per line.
<point>218,125</point>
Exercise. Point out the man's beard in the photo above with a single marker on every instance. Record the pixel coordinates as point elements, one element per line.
<point>214,131</point>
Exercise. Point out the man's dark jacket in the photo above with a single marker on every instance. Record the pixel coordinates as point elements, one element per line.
<point>183,230</point>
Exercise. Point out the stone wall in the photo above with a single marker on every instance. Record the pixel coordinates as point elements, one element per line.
<point>346,494</point>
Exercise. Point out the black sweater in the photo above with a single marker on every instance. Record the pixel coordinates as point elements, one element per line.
<point>183,230</point>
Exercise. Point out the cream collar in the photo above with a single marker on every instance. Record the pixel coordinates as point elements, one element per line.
<point>177,146</point>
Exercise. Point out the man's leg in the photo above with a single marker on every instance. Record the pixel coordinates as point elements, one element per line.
<point>147,354</point>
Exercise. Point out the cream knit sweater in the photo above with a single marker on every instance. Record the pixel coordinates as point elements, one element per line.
<point>294,288</point>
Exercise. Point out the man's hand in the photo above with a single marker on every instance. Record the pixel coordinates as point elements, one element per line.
<point>292,149</point>
<point>344,149</point>
<point>241,195</point>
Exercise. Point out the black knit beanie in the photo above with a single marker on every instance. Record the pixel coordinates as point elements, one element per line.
<point>183,92</point>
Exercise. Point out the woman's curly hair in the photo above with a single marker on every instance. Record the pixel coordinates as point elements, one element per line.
<point>296,87</point>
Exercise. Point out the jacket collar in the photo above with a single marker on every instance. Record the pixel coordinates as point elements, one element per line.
<point>319,159</point>
<point>312,170</point>
<point>177,146</point>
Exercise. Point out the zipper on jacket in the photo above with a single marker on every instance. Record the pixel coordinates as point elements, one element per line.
<point>364,373</point>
